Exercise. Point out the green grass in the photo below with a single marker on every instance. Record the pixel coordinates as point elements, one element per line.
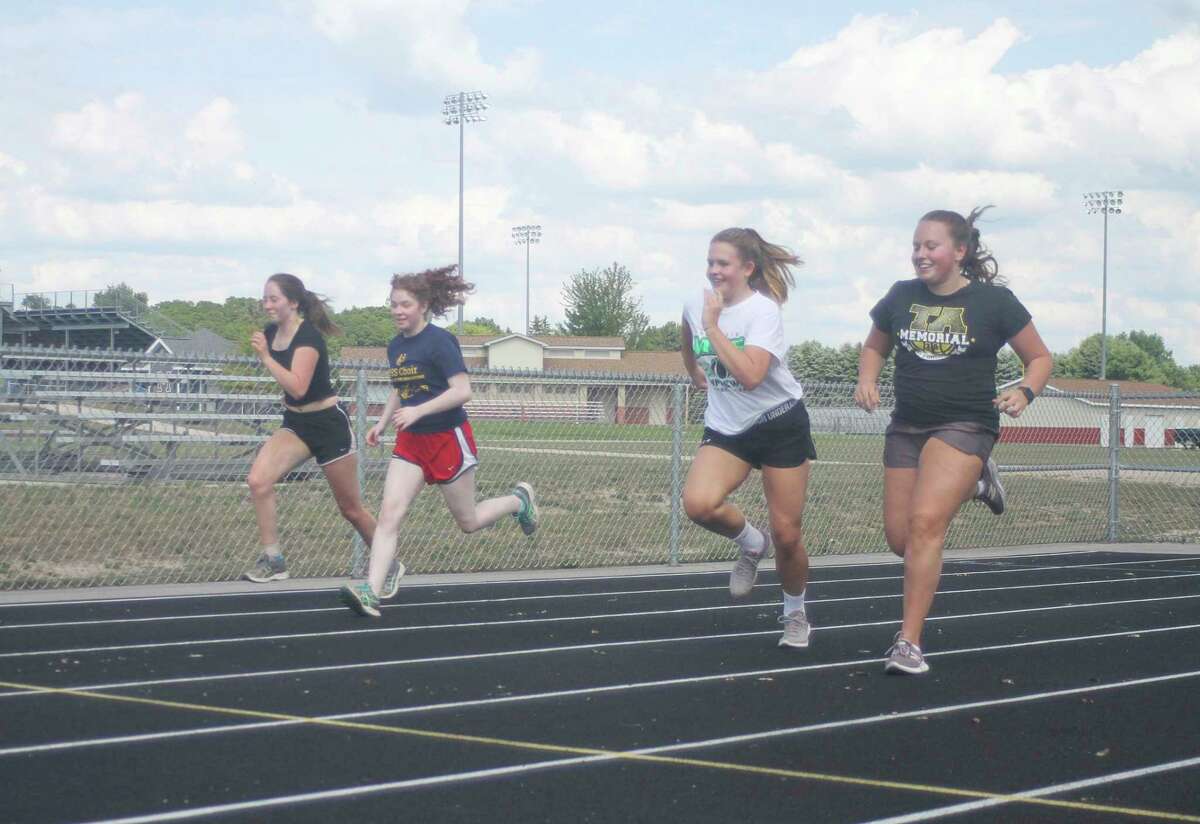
<point>609,506</point>
<point>597,510</point>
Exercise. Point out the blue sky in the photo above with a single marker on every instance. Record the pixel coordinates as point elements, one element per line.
<point>191,149</point>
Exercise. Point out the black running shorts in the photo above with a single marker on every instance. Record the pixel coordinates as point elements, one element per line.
<point>783,441</point>
<point>327,432</point>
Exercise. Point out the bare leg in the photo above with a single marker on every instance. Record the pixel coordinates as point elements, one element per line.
<point>898,486</point>
<point>786,491</point>
<point>282,453</point>
<point>714,476</point>
<point>469,515</point>
<point>403,484</point>
<point>945,479</point>
<point>342,476</point>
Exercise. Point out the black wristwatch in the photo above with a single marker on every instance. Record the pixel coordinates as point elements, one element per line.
<point>1029,396</point>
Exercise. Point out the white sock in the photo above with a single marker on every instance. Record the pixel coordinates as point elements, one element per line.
<point>750,540</point>
<point>271,550</point>
<point>791,603</point>
<point>980,486</point>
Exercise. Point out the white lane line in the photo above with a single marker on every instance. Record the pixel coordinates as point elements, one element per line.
<point>1042,792</point>
<point>517,769</point>
<point>349,792</point>
<point>524,598</point>
<point>588,691</point>
<point>195,679</point>
<point>266,592</point>
<point>555,619</point>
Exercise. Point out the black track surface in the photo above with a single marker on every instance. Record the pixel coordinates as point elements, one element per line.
<point>1029,657</point>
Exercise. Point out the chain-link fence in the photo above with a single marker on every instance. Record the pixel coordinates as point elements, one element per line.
<point>118,468</point>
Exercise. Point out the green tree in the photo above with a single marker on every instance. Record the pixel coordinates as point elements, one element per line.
<point>540,325</point>
<point>366,326</point>
<point>121,296</point>
<point>599,302</point>
<point>665,338</point>
<point>486,326</point>
<point>1008,366</point>
<point>1153,345</point>
<point>235,319</point>
<point>35,302</point>
<point>1191,377</point>
<point>1125,360</point>
<point>814,361</point>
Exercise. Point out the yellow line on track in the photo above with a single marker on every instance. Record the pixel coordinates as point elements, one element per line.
<point>561,749</point>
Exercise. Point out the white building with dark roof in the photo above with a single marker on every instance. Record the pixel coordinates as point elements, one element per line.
<point>621,386</point>
<point>1076,411</point>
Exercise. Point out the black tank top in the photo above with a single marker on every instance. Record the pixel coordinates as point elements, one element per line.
<point>320,387</point>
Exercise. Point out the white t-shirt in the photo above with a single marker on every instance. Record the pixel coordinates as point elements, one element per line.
<point>756,321</point>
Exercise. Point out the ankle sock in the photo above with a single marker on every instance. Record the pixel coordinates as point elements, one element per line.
<point>791,603</point>
<point>750,540</point>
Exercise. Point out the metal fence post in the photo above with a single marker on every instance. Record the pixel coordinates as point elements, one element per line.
<point>361,552</point>
<point>677,422</point>
<point>1114,461</point>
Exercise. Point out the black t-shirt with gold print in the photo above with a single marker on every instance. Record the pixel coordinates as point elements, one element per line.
<point>946,349</point>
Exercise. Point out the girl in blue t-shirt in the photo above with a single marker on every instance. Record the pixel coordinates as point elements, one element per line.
<point>292,349</point>
<point>434,443</point>
<point>947,325</point>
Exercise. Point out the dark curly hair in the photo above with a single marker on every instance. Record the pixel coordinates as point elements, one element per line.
<point>438,289</point>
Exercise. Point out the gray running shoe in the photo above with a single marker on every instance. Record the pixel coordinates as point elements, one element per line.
<point>267,569</point>
<point>360,598</point>
<point>391,584</point>
<point>527,515</point>
<point>993,490</point>
<point>905,658</point>
<point>745,569</point>
<point>795,629</point>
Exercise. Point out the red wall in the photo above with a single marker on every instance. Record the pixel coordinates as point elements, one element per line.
<point>1050,434</point>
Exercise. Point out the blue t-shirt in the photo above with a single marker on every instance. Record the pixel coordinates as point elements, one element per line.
<point>421,368</point>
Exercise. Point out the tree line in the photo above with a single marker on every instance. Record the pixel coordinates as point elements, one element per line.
<point>600,302</point>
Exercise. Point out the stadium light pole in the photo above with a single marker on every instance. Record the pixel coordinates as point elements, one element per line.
<point>457,109</point>
<point>1105,203</point>
<point>527,236</point>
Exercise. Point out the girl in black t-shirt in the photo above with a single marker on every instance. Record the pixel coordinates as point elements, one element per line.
<point>292,349</point>
<point>947,325</point>
<point>434,443</point>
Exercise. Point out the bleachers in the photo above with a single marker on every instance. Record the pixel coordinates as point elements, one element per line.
<point>583,412</point>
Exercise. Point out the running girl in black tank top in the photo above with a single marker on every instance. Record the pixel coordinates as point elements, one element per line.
<point>292,348</point>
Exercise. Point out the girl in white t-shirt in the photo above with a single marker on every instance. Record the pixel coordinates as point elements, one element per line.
<point>732,343</point>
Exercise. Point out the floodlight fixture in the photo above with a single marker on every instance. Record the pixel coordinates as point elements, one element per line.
<point>1110,202</point>
<point>457,109</point>
<point>526,236</point>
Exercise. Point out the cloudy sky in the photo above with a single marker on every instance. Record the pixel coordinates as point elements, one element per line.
<point>191,149</point>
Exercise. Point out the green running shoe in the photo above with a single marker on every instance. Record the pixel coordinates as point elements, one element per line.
<point>527,515</point>
<point>361,598</point>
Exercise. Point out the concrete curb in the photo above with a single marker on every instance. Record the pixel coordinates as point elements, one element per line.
<point>294,585</point>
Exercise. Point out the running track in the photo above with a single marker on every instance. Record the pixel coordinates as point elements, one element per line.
<point>1064,688</point>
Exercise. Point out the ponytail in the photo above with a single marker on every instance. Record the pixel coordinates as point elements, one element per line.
<point>772,264</point>
<point>313,308</point>
<point>978,263</point>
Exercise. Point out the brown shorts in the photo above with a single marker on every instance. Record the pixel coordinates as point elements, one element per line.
<point>903,442</point>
